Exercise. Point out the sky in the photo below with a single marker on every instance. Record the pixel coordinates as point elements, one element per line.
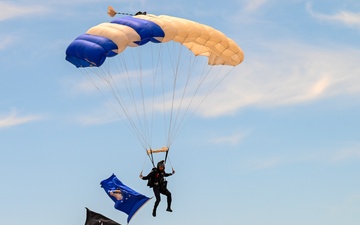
<point>277,142</point>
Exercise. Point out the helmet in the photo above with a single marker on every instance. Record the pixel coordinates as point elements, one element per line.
<point>161,163</point>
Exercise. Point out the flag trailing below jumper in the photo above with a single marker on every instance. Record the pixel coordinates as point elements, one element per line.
<point>93,218</point>
<point>126,199</point>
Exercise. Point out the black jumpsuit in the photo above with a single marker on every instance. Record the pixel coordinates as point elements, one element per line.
<point>158,183</point>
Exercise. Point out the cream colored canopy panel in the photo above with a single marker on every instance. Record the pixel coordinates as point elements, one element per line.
<point>199,38</point>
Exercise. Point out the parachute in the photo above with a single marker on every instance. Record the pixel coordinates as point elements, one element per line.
<point>158,69</point>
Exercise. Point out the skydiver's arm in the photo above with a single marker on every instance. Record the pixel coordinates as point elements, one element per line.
<point>169,174</point>
<point>147,177</point>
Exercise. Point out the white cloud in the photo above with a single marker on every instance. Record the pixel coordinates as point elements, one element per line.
<point>101,114</point>
<point>233,139</point>
<point>95,119</point>
<point>344,17</point>
<point>345,154</point>
<point>6,41</point>
<point>10,10</point>
<point>79,85</point>
<point>97,79</point>
<point>328,157</point>
<point>253,5</point>
<point>354,198</point>
<point>13,119</point>
<point>289,73</point>
<point>265,163</point>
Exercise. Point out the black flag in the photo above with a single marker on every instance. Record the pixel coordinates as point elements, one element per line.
<point>93,218</point>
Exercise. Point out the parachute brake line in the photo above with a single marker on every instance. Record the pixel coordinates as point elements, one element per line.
<point>171,164</point>
<point>143,167</point>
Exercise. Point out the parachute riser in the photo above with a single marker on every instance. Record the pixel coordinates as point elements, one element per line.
<point>150,153</point>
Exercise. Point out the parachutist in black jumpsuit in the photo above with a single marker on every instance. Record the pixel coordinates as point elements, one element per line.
<point>157,181</point>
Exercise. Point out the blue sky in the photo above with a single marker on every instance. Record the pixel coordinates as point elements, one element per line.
<point>277,143</point>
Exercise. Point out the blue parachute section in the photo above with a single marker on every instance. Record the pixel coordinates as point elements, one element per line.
<point>147,30</point>
<point>91,50</point>
<point>129,200</point>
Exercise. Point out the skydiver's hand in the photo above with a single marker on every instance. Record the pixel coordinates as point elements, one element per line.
<point>141,176</point>
<point>173,171</point>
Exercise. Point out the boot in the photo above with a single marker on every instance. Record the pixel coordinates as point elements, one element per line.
<point>154,212</point>
<point>169,209</point>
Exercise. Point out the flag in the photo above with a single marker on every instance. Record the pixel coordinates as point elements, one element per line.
<point>93,218</point>
<point>126,199</point>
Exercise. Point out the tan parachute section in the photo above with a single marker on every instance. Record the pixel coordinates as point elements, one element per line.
<point>199,38</point>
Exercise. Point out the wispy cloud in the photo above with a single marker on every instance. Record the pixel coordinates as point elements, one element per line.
<point>327,157</point>
<point>347,18</point>
<point>14,119</point>
<point>253,5</point>
<point>232,139</point>
<point>290,73</point>
<point>285,74</point>
<point>6,41</point>
<point>11,10</point>
<point>97,117</point>
<point>264,163</point>
<point>345,154</point>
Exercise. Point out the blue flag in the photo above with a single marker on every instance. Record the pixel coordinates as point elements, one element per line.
<point>126,199</point>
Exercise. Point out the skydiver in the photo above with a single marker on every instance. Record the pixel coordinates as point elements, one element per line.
<point>156,180</point>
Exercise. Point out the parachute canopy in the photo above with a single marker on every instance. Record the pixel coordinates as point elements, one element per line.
<point>109,39</point>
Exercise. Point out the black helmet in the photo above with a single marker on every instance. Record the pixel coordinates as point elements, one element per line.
<point>161,163</point>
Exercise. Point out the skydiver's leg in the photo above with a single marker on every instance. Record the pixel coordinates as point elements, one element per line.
<point>157,201</point>
<point>166,192</point>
